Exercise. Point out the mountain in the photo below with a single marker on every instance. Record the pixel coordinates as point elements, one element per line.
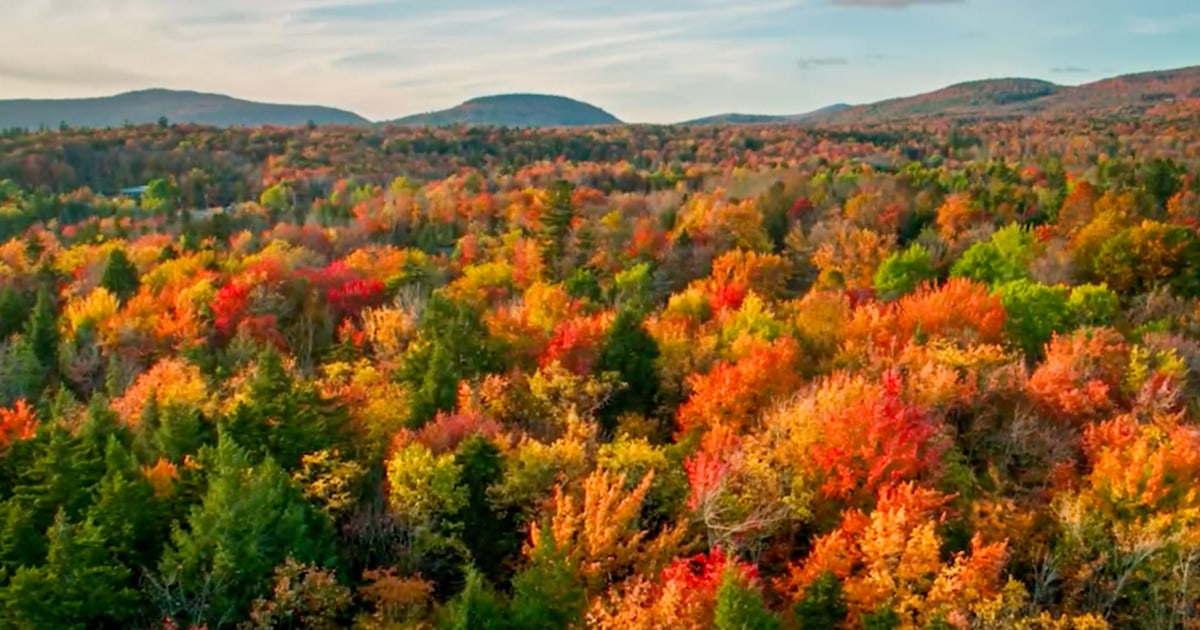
<point>147,106</point>
<point>761,119</point>
<point>1131,94</point>
<point>516,110</point>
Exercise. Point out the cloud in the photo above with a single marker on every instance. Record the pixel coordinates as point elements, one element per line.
<point>889,4</point>
<point>817,62</point>
<point>1070,70</point>
<point>90,75</point>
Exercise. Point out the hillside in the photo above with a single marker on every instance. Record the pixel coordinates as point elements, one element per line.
<point>516,110</point>
<point>761,119</point>
<point>1134,93</point>
<point>147,106</point>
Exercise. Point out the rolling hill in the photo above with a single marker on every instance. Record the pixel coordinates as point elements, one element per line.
<point>1130,94</point>
<point>761,119</point>
<point>516,110</point>
<point>147,106</point>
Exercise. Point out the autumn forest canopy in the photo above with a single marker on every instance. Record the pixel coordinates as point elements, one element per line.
<point>928,375</point>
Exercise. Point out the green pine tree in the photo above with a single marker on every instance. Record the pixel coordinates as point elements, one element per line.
<point>740,606</point>
<point>251,519</point>
<point>120,275</point>
<point>476,607</point>
<point>42,330</point>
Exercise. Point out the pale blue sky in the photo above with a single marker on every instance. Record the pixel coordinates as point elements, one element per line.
<point>643,60</point>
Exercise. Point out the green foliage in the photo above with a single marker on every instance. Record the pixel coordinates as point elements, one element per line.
<point>883,619</point>
<point>13,311</point>
<point>490,532</point>
<point>120,275</point>
<point>633,289</point>
<point>476,607</point>
<point>1094,305</point>
<point>583,285</point>
<point>80,586</point>
<point>632,353</point>
<point>42,330</point>
<point>823,605</point>
<point>1005,258</point>
<point>547,594</point>
<point>1141,258</point>
<point>741,607</point>
<point>1035,312</point>
<point>250,520</point>
<point>422,486</point>
<point>902,272</point>
<point>280,417</point>
<point>452,345</point>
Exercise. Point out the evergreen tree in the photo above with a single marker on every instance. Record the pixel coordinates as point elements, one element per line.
<point>13,311</point>
<point>282,418</point>
<point>491,534</point>
<point>740,606</point>
<point>452,346</point>
<point>822,606</point>
<point>79,587</point>
<point>556,222</point>
<point>251,519</point>
<point>476,607</point>
<point>42,330</point>
<point>120,275</point>
<point>547,593</point>
<point>631,352</point>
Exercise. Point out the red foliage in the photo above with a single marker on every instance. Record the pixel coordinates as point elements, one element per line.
<point>876,441</point>
<point>18,423</point>
<point>708,469</point>
<point>576,343</point>
<point>448,430</point>
<point>733,394</point>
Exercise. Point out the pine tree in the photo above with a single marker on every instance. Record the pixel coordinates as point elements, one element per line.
<point>251,519</point>
<point>492,537</point>
<point>120,275</point>
<point>476,607</point>
<point>631,352</point>
<point>740,606</point>
<point>42,330</point>
<point>13,311</point>
<point>560,212</point>
<point>822,606</point>
<point>79,587</point>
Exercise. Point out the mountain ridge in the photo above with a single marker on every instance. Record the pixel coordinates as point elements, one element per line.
<point>515,110</point>
<point>177,106</point>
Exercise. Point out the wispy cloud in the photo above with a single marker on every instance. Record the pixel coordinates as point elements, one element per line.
<point>818,62</point>
<point>1070,70</point>
<point>91,75</point>
<point>889,4</point>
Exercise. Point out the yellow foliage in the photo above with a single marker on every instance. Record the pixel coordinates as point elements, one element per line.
<point>96,310</point>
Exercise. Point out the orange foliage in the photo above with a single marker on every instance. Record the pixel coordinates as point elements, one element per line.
<point>1081,376</point>
<point>733,394</point>
<point>171,381</point>
<point>17,423</point>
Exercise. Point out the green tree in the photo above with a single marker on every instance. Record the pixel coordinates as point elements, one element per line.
<point>80,586</point>
<point>548,594</point>
<point>632,353</point>
<point>490,532</point>
<point>120,275</point>
<point>161,196</point>
<point>823,605</point>
<point>476,607</point>
<point>1035,312</point>
<point>251,519</point>
<point>1004,258</point>
<point>556,221</point>
<point>42,330</point>
<point>740,606</point>
<point>14,308</point>
<point>1094,305</point>
<point>902,272</point>
<point>452,345</point>
<point>282,418</point>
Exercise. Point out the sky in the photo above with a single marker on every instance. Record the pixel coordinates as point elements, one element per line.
<point>642,60</point>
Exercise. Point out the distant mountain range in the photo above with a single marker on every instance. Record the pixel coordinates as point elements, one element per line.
<point>764,119</point>
<point>147,106</point>
<point>516,110</point>
<point>1130,94</point>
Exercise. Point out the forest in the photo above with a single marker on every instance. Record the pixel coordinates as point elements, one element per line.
<point>933,375</point>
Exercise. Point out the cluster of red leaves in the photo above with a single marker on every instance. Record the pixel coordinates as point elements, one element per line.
<point>711,465</point>
<point>733,394</point>
<point>1081,376</point>
<point>576,343</point>
<point>877,440</point>
<point>17,423</point>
